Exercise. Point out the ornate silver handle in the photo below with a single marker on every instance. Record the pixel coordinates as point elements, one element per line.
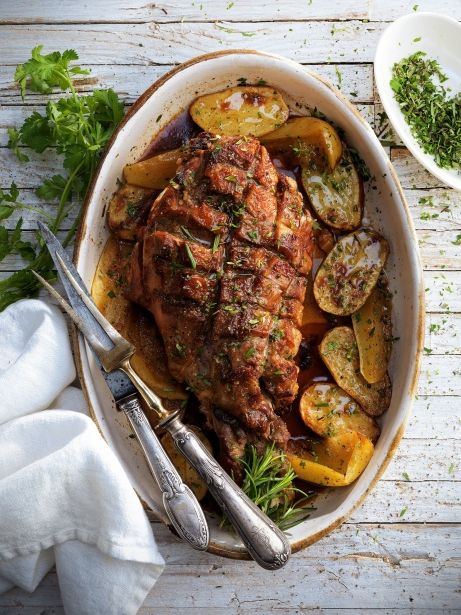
<point>181,505</point>
<point>265,542</point>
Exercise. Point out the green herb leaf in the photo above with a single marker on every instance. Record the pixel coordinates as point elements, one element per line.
<point>43,72</point>
<point>13,144</point>
<point>193,262</point>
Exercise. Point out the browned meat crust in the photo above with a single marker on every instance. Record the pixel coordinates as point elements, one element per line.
<point>222,266</point>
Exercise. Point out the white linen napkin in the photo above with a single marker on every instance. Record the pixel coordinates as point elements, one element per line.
<point>64,497</point>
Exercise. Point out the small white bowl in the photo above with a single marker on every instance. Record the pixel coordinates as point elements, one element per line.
<point>440,38</point>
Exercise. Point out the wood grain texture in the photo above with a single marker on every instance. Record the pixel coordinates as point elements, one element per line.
<point>399,553</point>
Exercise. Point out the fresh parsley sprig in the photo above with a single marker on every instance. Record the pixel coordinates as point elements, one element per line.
<point>77,128</point>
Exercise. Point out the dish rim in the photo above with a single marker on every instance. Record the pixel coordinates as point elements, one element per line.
<point>214,548</point>
<point>395,115</point>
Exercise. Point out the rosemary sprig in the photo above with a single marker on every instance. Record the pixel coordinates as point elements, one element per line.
<point>269,483</point>
<point>433,116</point>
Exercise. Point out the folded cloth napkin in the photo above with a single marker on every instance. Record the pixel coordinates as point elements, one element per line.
<point>64,497</point>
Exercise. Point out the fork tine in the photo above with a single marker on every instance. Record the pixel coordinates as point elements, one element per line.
<point>113,334</point>
<point>75,316</point>
<point>55,248</point>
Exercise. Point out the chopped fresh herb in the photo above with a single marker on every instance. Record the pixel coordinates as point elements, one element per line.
<point>131,209</point>
<point>427,350</point>
<point>253,234</point>
<point>180,349</point>
<point>457,241</point>
<point>338,76</point>
<point>250,352</point>
<point>111,294</point>
<point>406,475</point>
<point>159,117</point>
<point>417,39</point>
<point>403,511</point>
<point>321,404</point>
<point>434,328</point>
<point>276,334</point>
<point>359,164</point>
<point>231,178</point>
<point>433,116</point>
<point>216,242</point>
<point>190,256</point>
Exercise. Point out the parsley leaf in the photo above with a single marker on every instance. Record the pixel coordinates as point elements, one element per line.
<point>43,72</point>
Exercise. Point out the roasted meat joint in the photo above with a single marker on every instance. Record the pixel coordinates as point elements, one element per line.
<point>242,267</point>
<point>222,265</point>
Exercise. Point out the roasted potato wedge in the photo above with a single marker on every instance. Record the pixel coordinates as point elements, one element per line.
<point>338,350</point>
<point>336,196</point>
<point>155,172</point>
<point>308,141</point>
<point>241,110</point>
<point>329,411</point>
<point>373,331</point>
<point>127,211</point>
<point>334,462</point>
<point>149,360</point>
<point>185,470</point>
<point>349,273</point>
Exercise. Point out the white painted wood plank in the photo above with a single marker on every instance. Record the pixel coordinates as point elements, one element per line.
<point>435,417</point>
<point>389,10</point>
<point>188,10</point>
<point>437,208</point>
<point>441,459</point>
<point>411,502</point>
<point>443,291</point>
<point>386,567</point>
<point>152,43</point>
<point>410,172</point>
<point>248,10</point>
<point>129,81</point>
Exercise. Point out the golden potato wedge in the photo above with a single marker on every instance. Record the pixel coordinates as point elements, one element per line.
<point>149,360</point>
<point>241,110</point>
<point>185,470</point>
<point>373,331</point>
<point>338,350</point>
<point>127,210</point>
<point>336,196</point>
<point>349,273</point>
<point>334,462</point>
<point>329,411</point>
<point>155,172</point>
<point>308,140</point>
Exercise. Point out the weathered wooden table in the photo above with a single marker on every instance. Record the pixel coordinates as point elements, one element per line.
<point>400,551</point>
